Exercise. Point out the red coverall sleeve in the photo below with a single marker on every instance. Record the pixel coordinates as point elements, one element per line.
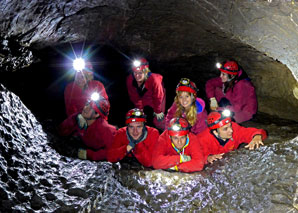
<point>133,94</point>
<point>118,149</point>
<point>244,101</point>
<point>158,92</point>
<point>162,159</point>
<point>143,150</point>
<point>197,161</point>
<point>68,126</point>
<point>211,85</point>
<point>104,135</point>
<point>246,134</point>
<point>170,114</point>
<point>70,103</point>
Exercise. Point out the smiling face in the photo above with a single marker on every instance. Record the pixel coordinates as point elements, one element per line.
<point>185,99</point>
<point>88,112</point>
<point>224,77</point>
<point>139,76</point>
<point>225,132</point>
<point>135,129</point>
<point>179,141</point>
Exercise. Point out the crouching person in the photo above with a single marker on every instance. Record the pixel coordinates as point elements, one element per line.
<point>178,149</point>
<point>223,135</point>
<point>135,140</point>
<point>92,127</point>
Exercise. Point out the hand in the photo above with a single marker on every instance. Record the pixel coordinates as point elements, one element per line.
<point>256,141</point>
<point>82,154</point>
<point>213,103</point>
<point>129,148</point>
<point>82,122</point>
<point>184,158</point>
<point>174,168</point>
<point>159,116</point>
<point>212,158</point>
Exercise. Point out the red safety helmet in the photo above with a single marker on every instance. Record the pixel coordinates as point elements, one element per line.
<point>186,85</point>
<point>178,127</point>
<point>101,106</point>
<point>230,67</point>
<point>135,115</point>
<point>88,66</point>
<point>218,119</point>
<point>140,64</point>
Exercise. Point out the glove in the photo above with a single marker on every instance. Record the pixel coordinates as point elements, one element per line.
<point>184,158</point>
<point>82,122</point>
<point>159,116</point>
<point>129,148</point>
<point>213,103</point>
<point>82,154</point>
<point>174,168</point>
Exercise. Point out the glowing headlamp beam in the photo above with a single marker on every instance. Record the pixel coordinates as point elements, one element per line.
<point>95,96</point>
<point>226,113</point>
<point>137,63</point>
<point>218,65</point>
<point>78,64</point>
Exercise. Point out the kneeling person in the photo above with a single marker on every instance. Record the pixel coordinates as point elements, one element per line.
<point>92,127</point>
<point>136,139</point>
<point>178,149</point>
<point>223,135</point>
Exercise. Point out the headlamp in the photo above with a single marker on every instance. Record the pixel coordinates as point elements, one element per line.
<point>137,113</point>
<point>218,65</point>
<point>176,127</point>
<point>95,96</point>
<point>184,81</point>
<point>137,63</point>
<point>226,113</point>
<point>78,64</point>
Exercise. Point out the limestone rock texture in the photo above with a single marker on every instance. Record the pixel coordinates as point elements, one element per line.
<point>261,35</point>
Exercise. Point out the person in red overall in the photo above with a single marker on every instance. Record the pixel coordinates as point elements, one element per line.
<point>146,91</point>
<point>223,135</point>
<point>189,106</point>
<point>92,127</point>
<point>135,140</point>
<point>178,149</point>
<point>232,90</point>
<point>77,93</point>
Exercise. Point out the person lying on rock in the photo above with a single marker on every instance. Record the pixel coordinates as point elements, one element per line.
<point>135,140</point>
<point>78,92</point>
<point>223,135</point>
<point>233,90</point>
<point>178,149</point>
<point>146,91</point>
<point>189,106</point>
<point>92,127</point>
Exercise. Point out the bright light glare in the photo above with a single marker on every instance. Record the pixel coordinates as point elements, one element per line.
<point>175,127</point>
<point>218,65</point>
<point>138,113</point>
<point>136,63</point>
<point>95,96</point>
<point>79,64</point>
<point>226,113</point>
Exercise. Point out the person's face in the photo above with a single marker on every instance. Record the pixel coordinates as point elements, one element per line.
<point>139,76</point>
<point>224,77</point>
<point>88,112</point>
<point>135,129</point>
<point>185,99</point>
<point>179,141</point>
<point>226,131</point>
<point>83,77</point>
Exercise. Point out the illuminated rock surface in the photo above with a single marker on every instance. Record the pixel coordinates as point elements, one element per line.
<point>180,39</point>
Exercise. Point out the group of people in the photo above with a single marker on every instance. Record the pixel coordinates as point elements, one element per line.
<point>190,137</point>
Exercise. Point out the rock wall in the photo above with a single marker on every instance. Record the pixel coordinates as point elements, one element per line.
<point>261,35</point>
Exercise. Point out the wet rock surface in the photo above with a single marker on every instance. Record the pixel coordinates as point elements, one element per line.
<point>40,173</point>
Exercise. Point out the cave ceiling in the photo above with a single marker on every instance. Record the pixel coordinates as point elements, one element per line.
<point>261,34</point>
